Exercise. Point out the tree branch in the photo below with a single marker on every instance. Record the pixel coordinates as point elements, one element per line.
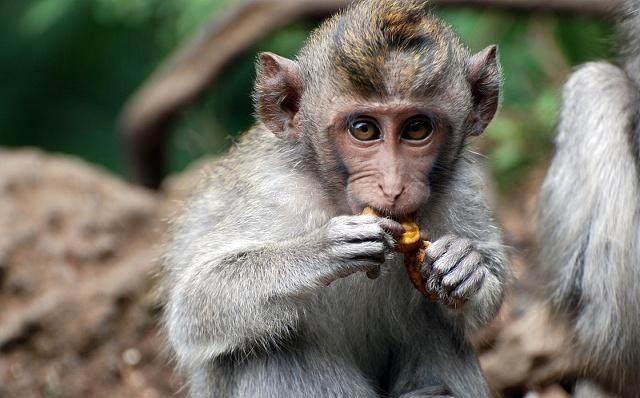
<point>194,68</point>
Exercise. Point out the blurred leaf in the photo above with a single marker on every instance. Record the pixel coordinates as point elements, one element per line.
<point>194,13</point>
<point>42,15</point>
<point>545,107</point>
<point>129,11</point>
<point>584,40</point>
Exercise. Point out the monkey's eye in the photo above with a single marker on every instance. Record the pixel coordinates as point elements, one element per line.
<point>417,129</point>
<point>364,130</point>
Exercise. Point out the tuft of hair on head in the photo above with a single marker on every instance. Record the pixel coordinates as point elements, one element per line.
<point>399,21</point>
<point>367,34</point>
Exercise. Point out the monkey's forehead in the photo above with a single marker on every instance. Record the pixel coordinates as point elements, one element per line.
<point>388,46</point>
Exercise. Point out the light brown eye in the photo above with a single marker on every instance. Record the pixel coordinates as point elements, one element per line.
<point>417,129</point>
<point>364,130</point>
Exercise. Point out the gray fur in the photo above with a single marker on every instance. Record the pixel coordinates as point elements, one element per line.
<point>589,217</point>
<point>629,38</point>
<point>585,389</point>
<point>266,273</point>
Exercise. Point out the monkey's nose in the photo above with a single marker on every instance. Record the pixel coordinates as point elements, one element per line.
<point>391,193</point>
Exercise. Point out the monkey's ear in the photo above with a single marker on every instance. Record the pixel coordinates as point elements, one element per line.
<point>485,76</point>
<point>277,95</point>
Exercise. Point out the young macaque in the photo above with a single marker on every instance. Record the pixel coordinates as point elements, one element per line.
<point>266,273</point>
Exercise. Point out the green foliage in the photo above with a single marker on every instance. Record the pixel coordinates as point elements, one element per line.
<point>537,53</point>
<point>69,65</point>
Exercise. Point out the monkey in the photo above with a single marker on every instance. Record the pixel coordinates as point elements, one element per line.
<point>277,286</point>
<point>589,214</point>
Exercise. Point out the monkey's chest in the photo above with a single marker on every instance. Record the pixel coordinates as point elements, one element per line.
<point>363,318</point>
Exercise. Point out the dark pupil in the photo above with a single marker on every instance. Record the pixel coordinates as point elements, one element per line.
<point>417,126</point>
<point>362,127</point>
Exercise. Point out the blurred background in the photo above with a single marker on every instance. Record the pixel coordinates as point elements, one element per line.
<point>69,66</point>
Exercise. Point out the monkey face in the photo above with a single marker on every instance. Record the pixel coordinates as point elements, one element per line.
<point>387,150</point>
<point>381,101</point>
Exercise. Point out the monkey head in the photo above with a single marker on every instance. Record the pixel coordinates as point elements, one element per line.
<point>382,98</point>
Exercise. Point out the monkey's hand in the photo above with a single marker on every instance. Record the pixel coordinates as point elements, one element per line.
<point>360,243</point>
<point>454,270</point>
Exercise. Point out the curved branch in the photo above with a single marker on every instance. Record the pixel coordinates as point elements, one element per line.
<point>177,83</point>
<point>190,71</point>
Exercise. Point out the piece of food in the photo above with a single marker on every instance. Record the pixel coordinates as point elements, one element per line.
<point>410,239</point>
<point>413,248</point>
<point>368,211</point>
<point>413,263</point>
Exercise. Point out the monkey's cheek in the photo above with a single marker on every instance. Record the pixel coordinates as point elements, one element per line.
<point>415,196</point>
<point>356,205</point>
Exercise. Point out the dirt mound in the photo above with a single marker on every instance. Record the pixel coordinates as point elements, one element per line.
<point>77,253</point>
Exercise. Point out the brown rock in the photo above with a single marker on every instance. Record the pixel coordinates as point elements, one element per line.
<point>77,253</point>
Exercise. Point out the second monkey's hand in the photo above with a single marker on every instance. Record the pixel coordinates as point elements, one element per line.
<point>454,270</point>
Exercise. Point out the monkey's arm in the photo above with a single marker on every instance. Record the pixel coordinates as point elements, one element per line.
<point>231,290</point>
<point>589,214</point>
<point>234,297</point>
<point>466,265</point>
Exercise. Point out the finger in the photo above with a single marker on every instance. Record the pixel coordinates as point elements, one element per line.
<point>389,242</point>
<point>433,285</point>
<point>438,248</point>
<point>366,218</point>
<point>391,227</point>
<point>468,265</point>
<point>455,253</point>
<point>371,251</point>
<point>470,286</point>
<point>357,233</point>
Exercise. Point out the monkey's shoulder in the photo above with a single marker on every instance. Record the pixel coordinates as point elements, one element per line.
<point>257,184</point>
